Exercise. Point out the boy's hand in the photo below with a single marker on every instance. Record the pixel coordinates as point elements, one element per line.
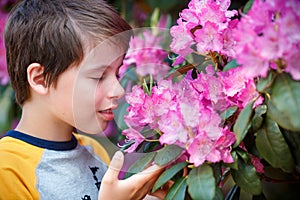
<point>133,188</point>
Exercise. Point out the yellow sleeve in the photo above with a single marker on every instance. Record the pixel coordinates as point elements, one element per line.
<point>17,170</point>
<point>98,148</point>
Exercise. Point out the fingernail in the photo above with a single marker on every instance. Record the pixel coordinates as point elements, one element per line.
<point>118,155</point>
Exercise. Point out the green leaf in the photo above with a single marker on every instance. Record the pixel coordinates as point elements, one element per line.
<point>150,146</point>
<point>130,74</point>
<point>257,119</point>
<point>228,112</point>
<point>293,140</point>
<point>167,154</point>
<point>232,64</point>
<point>273,147</point>
<point>243,123</point>
<point>247,178</point>
<point>154,17</point>
<point>140,165</point>
<point>233,165</point>
<point>284,105</point>
<point>243,154</point>
<point>6,110</point>
<point>167,175</point>
<point>219,194</point>
<point>201,182</point>
<point>264,83</point>
<point>248,6</point>
<point>120,112</point>
<point>177,191</point>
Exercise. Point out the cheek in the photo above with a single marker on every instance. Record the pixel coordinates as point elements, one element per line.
<point>99,95</point>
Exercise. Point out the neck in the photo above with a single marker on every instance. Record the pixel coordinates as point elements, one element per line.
<point>43,125</point>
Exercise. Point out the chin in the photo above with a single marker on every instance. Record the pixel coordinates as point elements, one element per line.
<point>93,130</point>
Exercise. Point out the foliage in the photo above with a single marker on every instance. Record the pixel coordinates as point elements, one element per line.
<point>228,105</point>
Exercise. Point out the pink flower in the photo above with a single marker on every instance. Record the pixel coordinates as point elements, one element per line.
<point>209,85</point>
<point>4,78</point>
<point>259,167</point>
<point>147,54</point>
<point>292,62</point>
<point>136,98</point>
<point>209,122</point>
<point>174,131</point>
<point>203,24</point>
<point>181,40</point>
<point>238,89</point>
<point>268,33</point>
<point>163,98</point>
<point>134,136</point>
<point>204,149</point>
<point>228,40</point>
<point>199,149</point>
<point>208,38</point>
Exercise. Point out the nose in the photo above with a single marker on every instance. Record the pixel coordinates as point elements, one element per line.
<point>117,91</point>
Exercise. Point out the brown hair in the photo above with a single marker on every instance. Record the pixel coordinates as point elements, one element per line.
<point>53,33</point>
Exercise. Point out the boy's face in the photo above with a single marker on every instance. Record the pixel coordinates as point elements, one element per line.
<point>86,95</point>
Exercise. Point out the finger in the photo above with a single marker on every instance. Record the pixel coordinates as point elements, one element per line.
<point>153,170</point>
<point>115,166</point>
<point>147,176</point>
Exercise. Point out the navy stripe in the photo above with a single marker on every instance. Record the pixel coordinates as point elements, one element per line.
<point>46,144</point>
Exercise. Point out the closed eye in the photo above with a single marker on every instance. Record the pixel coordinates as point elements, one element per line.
<point>97,78</point>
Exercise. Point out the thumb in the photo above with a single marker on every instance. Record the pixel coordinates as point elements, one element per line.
<point>115,166</point>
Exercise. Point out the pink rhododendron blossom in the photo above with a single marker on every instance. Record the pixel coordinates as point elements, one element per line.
<point>292,61</point>
<point>208,38</point>
<point>199,149</point>
<point>147,54</point>
<point>209,122</point>
<point>239,89</point>
<point>269,32</point>
<point>4,78</point>
<point>259,167</point>
<point>174,131</point>
<point>134,136</point>
<point>204,149</point>
<point>209,85</point>
<point>186,113</point>
<point>203,24</point>
<point>181,41</point>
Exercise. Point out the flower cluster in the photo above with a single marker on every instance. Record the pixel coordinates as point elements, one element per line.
<point>269,37</point>
<point>207,25</point>
<point>187,113</point>
<point>146,52</point>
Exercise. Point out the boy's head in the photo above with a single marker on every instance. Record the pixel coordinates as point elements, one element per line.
<point>56,34</point>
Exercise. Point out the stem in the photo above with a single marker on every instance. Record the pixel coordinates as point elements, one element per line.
<point>148,140</point>
<point>214,59</point>
<point>270,83</point>
<point>158,131</point>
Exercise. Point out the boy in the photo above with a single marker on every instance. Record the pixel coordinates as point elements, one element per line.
<point>63,58</point>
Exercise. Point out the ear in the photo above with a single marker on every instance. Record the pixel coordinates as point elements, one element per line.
<point>35,77</point>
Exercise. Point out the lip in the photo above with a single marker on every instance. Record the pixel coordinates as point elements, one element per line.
<point>107,114</point>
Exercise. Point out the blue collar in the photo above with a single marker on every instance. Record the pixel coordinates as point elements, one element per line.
<point>46,144</point>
